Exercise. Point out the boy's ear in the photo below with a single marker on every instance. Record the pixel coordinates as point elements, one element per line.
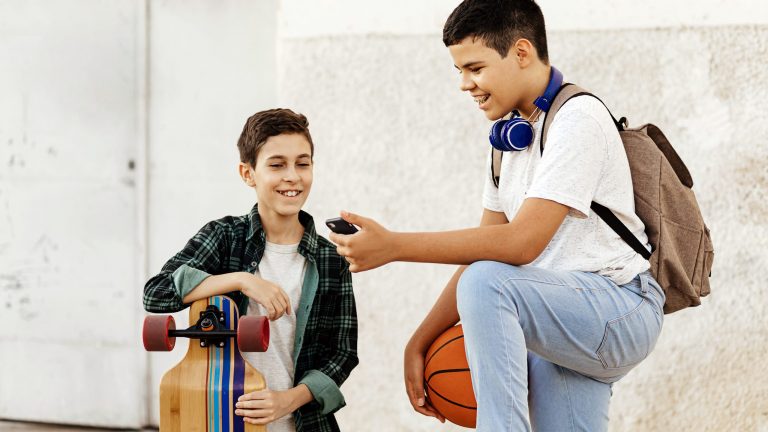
<point>246,174</point>
<point>525,52</point>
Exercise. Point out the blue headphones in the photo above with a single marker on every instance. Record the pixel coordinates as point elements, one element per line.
<point>516,134</point>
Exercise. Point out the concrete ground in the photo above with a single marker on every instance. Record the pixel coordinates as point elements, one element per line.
<point>8,426</point>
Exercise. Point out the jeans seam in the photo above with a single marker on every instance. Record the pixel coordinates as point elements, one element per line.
<point>515,278</point>
<point>508,376</point>
<point>568,395</point>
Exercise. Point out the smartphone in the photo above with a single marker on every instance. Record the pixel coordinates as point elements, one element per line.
<point>340,226</point>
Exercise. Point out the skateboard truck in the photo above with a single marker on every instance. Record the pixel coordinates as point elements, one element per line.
<point>252,332</point>
<point>209,329</point>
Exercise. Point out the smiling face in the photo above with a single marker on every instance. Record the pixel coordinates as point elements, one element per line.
<point>498,85</point>
<point>282,175</point>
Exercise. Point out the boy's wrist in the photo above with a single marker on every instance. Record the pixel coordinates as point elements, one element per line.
<point>237,281</point>
<point>300,396</point>
<point>397,245</point>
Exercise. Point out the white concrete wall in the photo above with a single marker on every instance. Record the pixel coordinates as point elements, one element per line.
<point>69,124</point>
<point>86,88</point>
<point>397,140</point>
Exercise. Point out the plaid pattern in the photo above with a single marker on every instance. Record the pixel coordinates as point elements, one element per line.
<point>234,244</point>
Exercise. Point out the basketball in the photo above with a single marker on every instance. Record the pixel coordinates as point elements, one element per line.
<point>448,384</point>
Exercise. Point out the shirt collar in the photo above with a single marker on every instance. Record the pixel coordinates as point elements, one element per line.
<point>308,243</point>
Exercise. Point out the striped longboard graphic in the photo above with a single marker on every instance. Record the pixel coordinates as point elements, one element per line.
<point>199,394</point>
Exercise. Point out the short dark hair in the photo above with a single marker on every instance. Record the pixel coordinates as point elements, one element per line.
<point>499,23</point>
<point>265,124</point>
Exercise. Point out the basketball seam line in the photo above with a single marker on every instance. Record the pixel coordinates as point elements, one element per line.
<point>442,371</point>
<point>450,401</point>
<point>443,346</point>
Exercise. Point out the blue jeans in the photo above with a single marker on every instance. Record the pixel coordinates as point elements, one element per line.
<point>547,345</point>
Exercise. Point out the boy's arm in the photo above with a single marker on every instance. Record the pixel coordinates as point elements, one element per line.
<point>443,315</point>
<point>201,257</point>
<point>266,293</point>
<point>324,382</point>
<point>518,242</point>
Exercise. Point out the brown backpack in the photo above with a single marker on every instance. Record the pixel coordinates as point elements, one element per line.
<point>681,260</point>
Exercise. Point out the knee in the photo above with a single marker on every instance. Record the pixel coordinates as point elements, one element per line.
<point>475,288</point>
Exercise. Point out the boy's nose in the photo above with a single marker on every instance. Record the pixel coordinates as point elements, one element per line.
<point>466,84</point>
<point>291,176</point>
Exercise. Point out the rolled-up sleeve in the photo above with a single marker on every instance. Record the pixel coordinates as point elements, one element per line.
<point>325,391</point>
<point>200,258</point>
<point>324,382</point>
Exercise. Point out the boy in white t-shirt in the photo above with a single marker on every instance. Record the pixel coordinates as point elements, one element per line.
<point>555,306</point>
<point>272,262</point>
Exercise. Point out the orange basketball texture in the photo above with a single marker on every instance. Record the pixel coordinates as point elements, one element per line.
<point>447,380</point>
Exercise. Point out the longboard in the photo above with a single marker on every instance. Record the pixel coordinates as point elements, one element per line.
<point>199,393</point>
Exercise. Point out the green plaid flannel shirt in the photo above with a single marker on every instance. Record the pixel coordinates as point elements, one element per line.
<point>326,351</point>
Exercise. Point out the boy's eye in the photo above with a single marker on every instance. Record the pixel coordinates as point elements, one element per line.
<point>475,70</point>
<point>276,165</point>
<point>304,164</point>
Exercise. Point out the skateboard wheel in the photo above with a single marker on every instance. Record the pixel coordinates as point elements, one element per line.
<point>155,333</point>
<point>253,334</point>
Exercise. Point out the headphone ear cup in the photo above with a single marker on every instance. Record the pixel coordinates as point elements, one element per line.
<point>495,136</point>
<point>517,134</point>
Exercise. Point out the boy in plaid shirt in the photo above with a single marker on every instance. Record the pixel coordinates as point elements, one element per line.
<point>272,262</point>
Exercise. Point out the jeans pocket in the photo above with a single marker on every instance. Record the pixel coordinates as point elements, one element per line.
<point>630,338</point>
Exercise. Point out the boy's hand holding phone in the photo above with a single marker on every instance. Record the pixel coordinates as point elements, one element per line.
<point>371,247</point>
<point>270,295</point>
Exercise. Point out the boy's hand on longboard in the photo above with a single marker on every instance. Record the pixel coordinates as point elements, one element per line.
<point>270,295</point>
<point>265,406</point>
<point>413,371</point>
<point>371,247</point>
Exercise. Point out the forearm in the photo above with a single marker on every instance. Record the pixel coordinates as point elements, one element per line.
<point>517,242</point>
<point>300,396</point>
<point>214,285</point>
<point>443,315</point>
<point>501,243</point>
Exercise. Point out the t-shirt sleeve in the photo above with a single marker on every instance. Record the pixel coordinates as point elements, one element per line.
<point>490,191</point>
<point>572,163</point>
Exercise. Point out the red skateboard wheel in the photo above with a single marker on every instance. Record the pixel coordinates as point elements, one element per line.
<point>155,333</point>
<point>253,334</point>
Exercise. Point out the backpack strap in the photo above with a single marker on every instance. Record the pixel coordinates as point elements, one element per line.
<point>566,93</point>
<point>496,156</point>
<point>619,228</point>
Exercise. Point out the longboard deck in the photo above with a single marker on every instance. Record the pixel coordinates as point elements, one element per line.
<point>199,393</point>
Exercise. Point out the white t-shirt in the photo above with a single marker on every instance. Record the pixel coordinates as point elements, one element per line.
<point>284,266</point>
<point>583,161</point>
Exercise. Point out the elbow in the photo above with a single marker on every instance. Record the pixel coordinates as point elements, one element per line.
<point>525,260</point>
<point>530,256</point>
<point>523,256</point>
<point>160,301</point>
